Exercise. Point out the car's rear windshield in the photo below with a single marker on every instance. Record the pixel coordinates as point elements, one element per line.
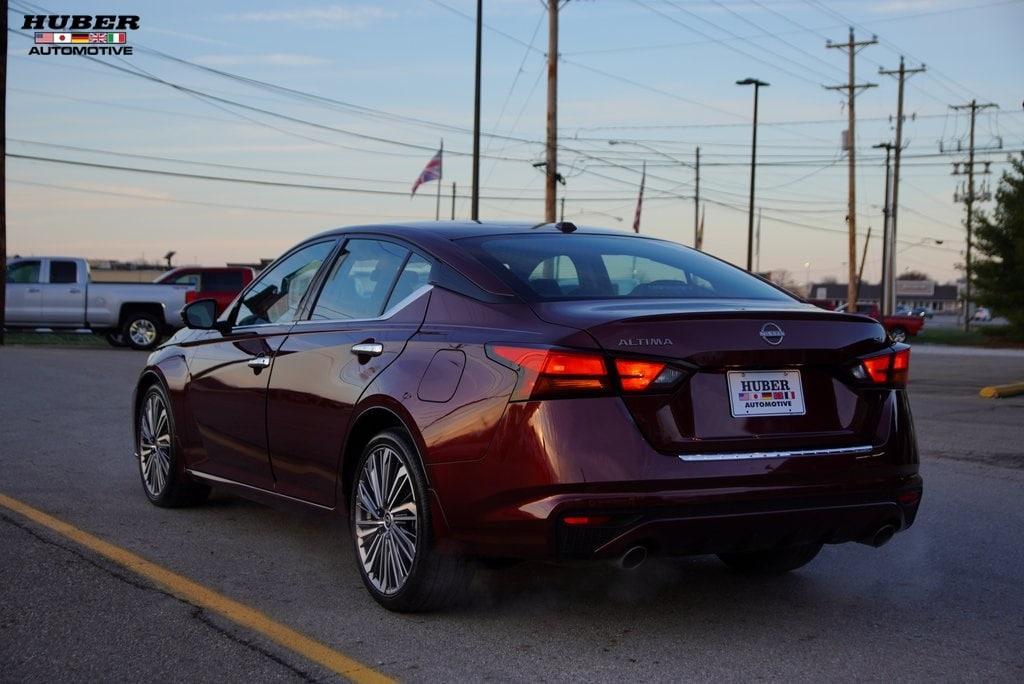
<point>587,266</point>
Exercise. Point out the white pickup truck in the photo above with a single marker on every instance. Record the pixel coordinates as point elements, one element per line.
<point>56,292</point>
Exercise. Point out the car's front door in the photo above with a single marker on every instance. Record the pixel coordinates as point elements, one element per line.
<point>24,301</point>
<point>373,300</point>
<point>64,293</point>
<point>227,392</point>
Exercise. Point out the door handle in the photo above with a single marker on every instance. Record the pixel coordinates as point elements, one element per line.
<point>259,362</point>
<point>368,349</point>
<point>75,291</point>
<point>33,289</point>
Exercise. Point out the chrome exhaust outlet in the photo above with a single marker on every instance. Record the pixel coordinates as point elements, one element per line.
<point>881,536</point>
<point>632,558</point>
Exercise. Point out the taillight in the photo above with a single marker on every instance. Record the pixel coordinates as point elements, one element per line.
<point>546,373</point>
<point>890,368</point>
<point>640,376</point>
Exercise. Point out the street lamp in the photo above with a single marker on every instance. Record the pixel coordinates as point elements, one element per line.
<point>753,165</point>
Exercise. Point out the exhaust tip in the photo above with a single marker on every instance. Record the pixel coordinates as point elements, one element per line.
<point>881,536</point>
<point>633,558</point>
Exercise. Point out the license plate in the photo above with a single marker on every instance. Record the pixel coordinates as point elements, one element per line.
<point>765,393</point>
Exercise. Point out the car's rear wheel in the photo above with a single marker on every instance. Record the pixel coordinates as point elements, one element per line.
<point>390,521</point>
<point>141,330</point>
<point>163,480</point>
<point>772,561</point>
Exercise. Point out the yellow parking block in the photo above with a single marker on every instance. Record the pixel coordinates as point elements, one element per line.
<point>204,597</point>
<point>999,391</point>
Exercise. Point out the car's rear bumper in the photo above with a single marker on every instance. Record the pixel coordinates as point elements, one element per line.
<point>551,459</point>
<point>737,525</point>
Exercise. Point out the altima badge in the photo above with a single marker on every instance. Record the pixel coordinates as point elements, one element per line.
<point>772,334</point>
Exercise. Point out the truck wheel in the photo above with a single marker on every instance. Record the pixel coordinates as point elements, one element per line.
<point>898,334</point>
<point>141,330</point>
<point>115,339</point>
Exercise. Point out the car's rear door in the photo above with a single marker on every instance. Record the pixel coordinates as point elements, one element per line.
<point>372,301</point>
<point>230,372</point>
<point>63,293</point>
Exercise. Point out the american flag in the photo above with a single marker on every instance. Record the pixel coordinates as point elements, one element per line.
<point>640,200</point>
<point>432,171</point>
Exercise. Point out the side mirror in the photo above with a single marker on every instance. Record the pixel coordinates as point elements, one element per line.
<point>200,314</point>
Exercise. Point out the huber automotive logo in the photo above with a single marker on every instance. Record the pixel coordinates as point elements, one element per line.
<point>80,34</point>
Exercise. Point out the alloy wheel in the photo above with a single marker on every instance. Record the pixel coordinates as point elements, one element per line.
<point>386,520</point>
<point>154,445</point>
<point>143,332</point>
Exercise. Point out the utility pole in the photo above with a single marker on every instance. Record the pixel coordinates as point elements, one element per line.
<point>863,261</point>
<point>3,171</point>
<point>888,294</point>
<point>753,167</point>
<point>969,198</point>
<point>757,240</point>
<point>562,217</point>
<point>453,200</point>
<point>474,207</point>
<point>901,74</point>
<point>696,204</point>
<point>852,47</point>
<point>551,170</point>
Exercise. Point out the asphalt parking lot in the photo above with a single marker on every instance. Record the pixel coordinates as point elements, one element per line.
<point>942,601</point>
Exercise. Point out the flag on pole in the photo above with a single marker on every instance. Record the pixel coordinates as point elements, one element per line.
<point>431,172</point>
<point>640,200</point>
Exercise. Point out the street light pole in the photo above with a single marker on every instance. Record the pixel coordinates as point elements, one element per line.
<point>753,168</point>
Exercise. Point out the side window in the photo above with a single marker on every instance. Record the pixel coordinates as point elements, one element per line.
<point>415,275</point>
<point>222,281</point>
<point>276,296</point>
<point>187,279</point>
<point>360,281</point>
<point>63,272</point>
<point>23,272</point>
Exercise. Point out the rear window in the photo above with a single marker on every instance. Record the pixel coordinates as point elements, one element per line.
<point>580,266</point>
<point>222,281</point>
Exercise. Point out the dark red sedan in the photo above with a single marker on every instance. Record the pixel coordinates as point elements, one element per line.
<point>467,391</point>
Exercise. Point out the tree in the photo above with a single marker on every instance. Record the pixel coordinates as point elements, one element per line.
<point>912,275</point>
<point>998,274</point>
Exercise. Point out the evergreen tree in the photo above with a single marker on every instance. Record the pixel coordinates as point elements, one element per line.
<point>999,272</point>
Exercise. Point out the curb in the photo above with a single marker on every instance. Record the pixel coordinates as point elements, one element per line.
<point>1000,391</point>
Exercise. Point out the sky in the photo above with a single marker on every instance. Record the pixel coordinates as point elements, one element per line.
<point>353,98</point>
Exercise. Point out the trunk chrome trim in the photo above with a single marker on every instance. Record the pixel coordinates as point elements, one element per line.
<point>796,453</point>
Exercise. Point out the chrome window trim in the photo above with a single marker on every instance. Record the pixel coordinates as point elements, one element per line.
<point>794,453</point>
<point>390,313</point>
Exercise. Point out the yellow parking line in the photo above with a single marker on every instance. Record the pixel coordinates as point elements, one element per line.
<point>204,597</point>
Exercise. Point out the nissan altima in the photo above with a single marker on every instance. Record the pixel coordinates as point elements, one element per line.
<point>467,392</point>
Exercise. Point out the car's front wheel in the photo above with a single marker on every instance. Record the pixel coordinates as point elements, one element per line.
<point>898,334</point>
<point>391,527</point>
<point>163,480</point>
<point>772,561</point>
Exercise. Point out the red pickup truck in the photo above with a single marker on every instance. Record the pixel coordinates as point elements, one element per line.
<point>898,326</point>
<point>222,284</point>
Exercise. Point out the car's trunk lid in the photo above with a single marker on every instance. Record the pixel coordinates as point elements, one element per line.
<point>759,342</point>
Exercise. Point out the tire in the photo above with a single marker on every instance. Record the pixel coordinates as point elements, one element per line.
<point>141,330</point>
<point>394,545</point>
<point>898,334</point>
<point>772,561</point>
<point>115,339</point>
<point>164,481</point>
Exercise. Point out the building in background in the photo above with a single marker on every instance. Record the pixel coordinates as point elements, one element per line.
<point>910,294</point>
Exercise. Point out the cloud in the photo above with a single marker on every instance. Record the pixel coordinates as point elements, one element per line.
<point>190,36</point>
<point>285,59</point>
<point>893,6</point>
<point>355,16</point>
